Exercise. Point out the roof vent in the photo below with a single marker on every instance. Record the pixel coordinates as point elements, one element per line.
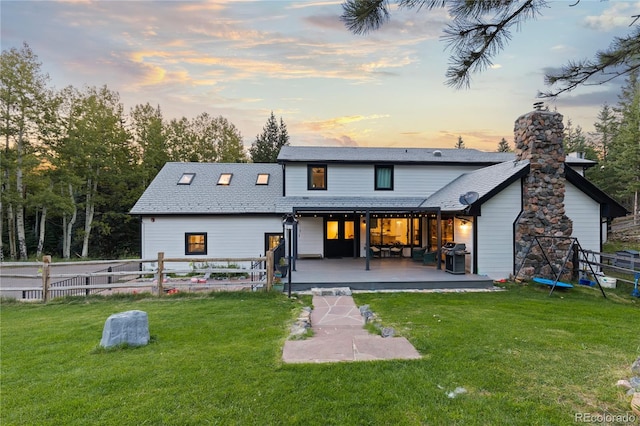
<point>437,153</point>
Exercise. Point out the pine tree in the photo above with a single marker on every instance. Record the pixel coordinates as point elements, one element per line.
<point>606,128</point>
<point>460,143</point>
<point>267,145</point>
<point>503,146</point>
<point>601,142</point>
<point>625,150</point>
<point>575,140</point>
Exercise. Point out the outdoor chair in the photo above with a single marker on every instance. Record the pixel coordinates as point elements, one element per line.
<point>396,251</point>
<point>374,252</point>
<point>429,258</point>
<point>417,254</point>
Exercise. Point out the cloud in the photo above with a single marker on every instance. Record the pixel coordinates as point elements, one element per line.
<point>619,15</point>
<point>340,122</point>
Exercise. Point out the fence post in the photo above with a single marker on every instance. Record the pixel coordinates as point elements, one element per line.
<point>160,273</point>
<point>46,277</point>
<point>270,269</point>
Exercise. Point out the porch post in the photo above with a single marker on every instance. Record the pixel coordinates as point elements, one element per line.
<point>368,241</point>
<point>439,240</point>
<point>295,245</point>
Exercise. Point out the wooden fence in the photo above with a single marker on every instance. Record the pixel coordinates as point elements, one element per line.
<point>625,267</point>
<point>160,275</point>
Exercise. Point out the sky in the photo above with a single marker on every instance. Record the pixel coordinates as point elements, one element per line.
<point>245,59</point>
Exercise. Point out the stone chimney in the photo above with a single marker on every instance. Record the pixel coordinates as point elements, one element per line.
<point>538,138</point>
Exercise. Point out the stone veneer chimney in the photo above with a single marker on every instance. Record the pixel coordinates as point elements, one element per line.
<point>538,138</point>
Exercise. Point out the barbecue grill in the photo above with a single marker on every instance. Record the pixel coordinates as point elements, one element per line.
<point>454,257</point>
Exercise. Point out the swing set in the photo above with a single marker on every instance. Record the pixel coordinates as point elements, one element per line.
<point>574,247</point>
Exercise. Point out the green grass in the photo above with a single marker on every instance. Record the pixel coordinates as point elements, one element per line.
<point>523,356</point>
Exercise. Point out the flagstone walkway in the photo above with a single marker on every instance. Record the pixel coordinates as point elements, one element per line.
<point>339,336</point>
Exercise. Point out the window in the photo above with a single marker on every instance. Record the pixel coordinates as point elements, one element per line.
<point>186,179</point>
<point>195,243</point>
<point>263,179</point>
<point>447,232</point>
<point>395,231</point>
<point>384,178</point>
<point>317,176</point>
<point>272,240</point>
<point>333,230</point>
<point>225,178</point>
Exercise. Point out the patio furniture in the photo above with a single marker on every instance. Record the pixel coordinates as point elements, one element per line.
<point>429,258</point>
<point>417,254</point>
<point>374,251</point>
<point>385,251</point>
<point>395,251</point>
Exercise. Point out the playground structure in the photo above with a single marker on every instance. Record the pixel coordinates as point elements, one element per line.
<point>577,263</point>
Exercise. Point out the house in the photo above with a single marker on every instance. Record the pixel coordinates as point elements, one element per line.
<point>346,199</point>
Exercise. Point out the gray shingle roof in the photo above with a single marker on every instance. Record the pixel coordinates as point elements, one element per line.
<point>389,155</point>
<point>205,196</point>
<point>483,181</point>
<point>332,154</point>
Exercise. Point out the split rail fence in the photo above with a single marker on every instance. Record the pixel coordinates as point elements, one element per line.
<point>623,267</point>
<point>46,280</point>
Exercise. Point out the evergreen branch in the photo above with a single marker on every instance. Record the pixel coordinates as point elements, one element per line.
<point>475,43</point>
<point>364,16</point>
<point>620,59</point>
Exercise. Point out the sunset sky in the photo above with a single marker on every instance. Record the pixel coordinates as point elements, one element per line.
<point>244,59</point>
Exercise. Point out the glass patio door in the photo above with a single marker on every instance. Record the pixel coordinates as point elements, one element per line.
<point>340,237</point>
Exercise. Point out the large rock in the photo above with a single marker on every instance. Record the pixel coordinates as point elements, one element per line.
<point>130,327</point>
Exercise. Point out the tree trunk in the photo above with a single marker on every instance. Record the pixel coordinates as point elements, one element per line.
<point>11,231</point>
<point>43,218</point>
<point>68,227</point>
<point>22,240</point>
<point>90,208</point>
<point>636,209</point>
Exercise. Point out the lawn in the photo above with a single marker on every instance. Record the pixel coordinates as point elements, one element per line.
<point>522,356</point>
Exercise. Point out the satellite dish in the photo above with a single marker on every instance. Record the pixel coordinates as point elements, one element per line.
<point>469,198</point>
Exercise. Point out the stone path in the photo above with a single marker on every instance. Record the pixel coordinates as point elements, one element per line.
<point>339,336</point>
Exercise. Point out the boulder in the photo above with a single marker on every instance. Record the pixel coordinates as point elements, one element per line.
<point>130,327</point>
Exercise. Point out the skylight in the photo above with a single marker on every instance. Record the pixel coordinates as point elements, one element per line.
<point>186,179</point>
<point>225,178</point>
<point>263,179</point>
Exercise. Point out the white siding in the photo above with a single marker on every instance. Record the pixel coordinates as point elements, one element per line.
<point>310,236</point>
<point>495,232</point>
<point>464,234</point>
<point>344,180</point>
<point>585,214</point>
<point>227,236</point>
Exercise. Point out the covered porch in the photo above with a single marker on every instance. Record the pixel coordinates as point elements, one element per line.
<point>383,274</point>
